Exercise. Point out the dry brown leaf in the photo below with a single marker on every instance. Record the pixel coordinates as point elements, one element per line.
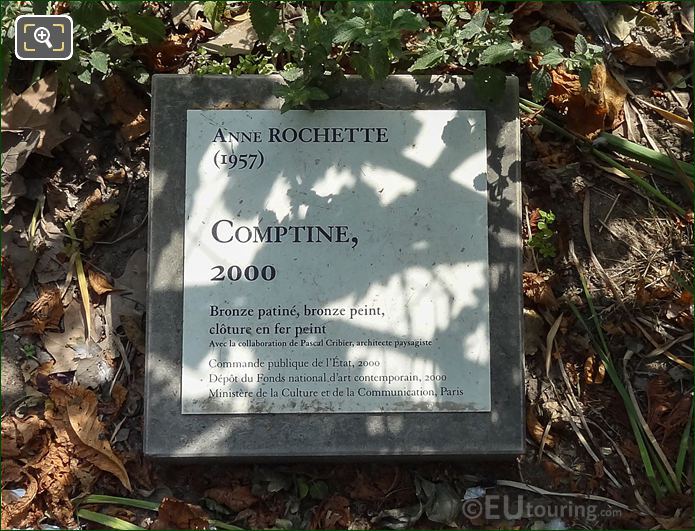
<point>128,110</point>
<point>236,498</point>
<point>45,312</point>
<point>54,471</point>
<point>591,110</point>
<point>95,221</point>
<point>16,514</point>
<point>685,298</point>
<point>166,56</point>
<point>642,296</point>
<point>594,370</point>
<point>119,394</point>
<point>99,283</point>
<point>537,288</point>
<point>16,148</point>
<point>18,435</point>
<point>10,289</point>
<point>635,54</point>
<point>364,489</point>
<point>536,429</point>
<point>333,513</point>
<point>175,514</point>
<point>473,7</point>
<point>34,108</point>
<point>84,429</point>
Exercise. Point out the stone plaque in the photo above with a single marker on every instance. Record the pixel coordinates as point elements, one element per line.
<point>337,282</point>
<point>335,261</point>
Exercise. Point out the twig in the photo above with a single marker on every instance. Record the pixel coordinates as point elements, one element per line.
<point>577,431</point>
<point>645,132</point>
<point>549,342</point>
<point>533,251</point>
<point>630,476</point>
<point>586,214</point>
<point>608,215</point>
<point>660,350</point>
<point>129,233</point>
<point>553,457</point>
<point>538,490</point>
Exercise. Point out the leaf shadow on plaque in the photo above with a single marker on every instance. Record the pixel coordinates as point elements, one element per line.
<point>410,254</point>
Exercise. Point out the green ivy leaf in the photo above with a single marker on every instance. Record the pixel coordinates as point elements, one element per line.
<point>585,77</point>
<point>147,27</point>
<point>480,18</point>
<point>292,74</point>
<point>497,53</point>
<point>379,57</point>
<point>350,30</point>
<point>406,20</point>
<point>126,6</point>
<point>580,44</point>
<point>302,489</point>
<point>541,35</point>
<point>361,65</point>
<point>89,15</point>
<point>383,12</point>
<point>428,60</point>
<point>264,17</point>
<point>213,12</point>
<point>541,81</point>
<point>552,58</point>
<point>319,490</point>
<point>470,30</point>
<point>123,34</point>
<point>489,83</point>
<point>99,61</point>
<point>85,76</point>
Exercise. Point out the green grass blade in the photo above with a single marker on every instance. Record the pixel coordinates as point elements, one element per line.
<point>643,154</point>
<point>686,438</point>
<point>639,181</point>
<point>662,471</point>
<point>143,504</point>
<point>117,500</point>
<point>104,519</point>
<point>631,414</point>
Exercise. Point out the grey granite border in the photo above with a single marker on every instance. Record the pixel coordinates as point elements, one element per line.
<point>169,434</point>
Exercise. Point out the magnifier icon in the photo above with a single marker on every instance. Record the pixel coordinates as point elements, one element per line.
<point>42,35</point>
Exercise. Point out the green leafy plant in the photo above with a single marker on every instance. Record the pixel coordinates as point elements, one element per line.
<point>205,63</point>
<point>484,40</point>
<point>10,11</point>
<point>583,59</point>
<point>369,36</point>
<point>375,28</point>
<point>542,240</point>
<point>214,11</point>
<point>105,36</point>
